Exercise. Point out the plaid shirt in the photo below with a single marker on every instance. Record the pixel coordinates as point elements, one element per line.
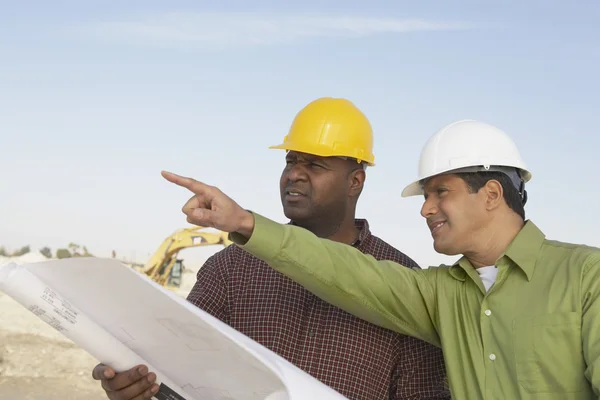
<point>356,358</point>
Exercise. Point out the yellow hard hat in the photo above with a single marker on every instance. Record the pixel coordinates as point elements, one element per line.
<point>331,127</point>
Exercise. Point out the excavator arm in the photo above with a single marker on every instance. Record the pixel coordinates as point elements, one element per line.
<point>160,265</point>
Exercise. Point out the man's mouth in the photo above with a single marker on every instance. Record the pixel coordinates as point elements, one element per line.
<point>434,227</point>
<point>293,193</point>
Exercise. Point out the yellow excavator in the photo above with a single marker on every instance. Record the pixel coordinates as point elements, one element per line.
<point>165,268</point>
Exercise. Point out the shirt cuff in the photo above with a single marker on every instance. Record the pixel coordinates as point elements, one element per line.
<point>266,241</point>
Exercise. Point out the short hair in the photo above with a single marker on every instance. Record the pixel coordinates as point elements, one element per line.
<point>514,199</point>
<point>359,164</point>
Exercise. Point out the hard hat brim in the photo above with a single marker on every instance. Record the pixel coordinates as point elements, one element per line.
<point>315,150</point>
<point>414,189</point>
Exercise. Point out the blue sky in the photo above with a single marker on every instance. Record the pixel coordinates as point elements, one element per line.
<point>98,97</point>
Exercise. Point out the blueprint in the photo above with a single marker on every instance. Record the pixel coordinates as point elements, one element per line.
<point>123,318</point>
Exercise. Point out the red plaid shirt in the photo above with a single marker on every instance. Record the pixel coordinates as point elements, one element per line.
<point>358,359</point>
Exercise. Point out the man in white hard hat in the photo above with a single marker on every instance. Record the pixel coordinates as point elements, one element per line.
<point>517,316</point>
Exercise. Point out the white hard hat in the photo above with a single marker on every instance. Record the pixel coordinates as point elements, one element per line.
<point>467,146</point>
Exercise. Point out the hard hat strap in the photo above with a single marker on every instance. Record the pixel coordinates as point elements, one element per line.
<point>512,172</point>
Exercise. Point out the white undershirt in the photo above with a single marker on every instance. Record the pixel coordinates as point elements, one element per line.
<point>488,276</point>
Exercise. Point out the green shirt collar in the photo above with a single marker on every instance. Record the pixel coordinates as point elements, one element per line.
<point>522,251</point>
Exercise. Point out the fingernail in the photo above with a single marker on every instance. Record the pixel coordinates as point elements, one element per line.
<point>108,373</point>
<point>154,389</point>
<point>142,370</point>
<point>151,378</point>
<point>197,213</point>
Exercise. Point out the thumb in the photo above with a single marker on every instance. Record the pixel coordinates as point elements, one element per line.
<point>102,371</point>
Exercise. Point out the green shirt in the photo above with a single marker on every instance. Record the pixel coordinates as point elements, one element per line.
<point>534,335</point>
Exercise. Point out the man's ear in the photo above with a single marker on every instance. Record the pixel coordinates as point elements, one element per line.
<point>357,182</point>
<point>494,194</point>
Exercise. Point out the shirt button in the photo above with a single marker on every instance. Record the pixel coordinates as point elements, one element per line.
<point>492,356</point>
<point>488,312</point>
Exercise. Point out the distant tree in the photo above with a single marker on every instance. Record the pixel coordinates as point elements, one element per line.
<point>86,253</point>
<point>21,251</point>
<point>3,252</point>
<point>63,253</point>
<point>46,252</point>
<point>74,249</point>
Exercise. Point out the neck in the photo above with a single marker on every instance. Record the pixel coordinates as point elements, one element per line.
<point>344,231</point>
<point>501,232</point>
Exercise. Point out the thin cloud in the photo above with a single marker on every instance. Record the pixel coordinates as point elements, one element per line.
<point>237,29</point>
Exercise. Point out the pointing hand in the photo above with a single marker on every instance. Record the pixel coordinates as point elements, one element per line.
<point>212,208</point>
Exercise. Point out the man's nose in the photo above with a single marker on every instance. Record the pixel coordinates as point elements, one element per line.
<point>296,172</point>
<point>429,208</point>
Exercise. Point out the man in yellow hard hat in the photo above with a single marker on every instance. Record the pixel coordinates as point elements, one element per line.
<point>518,315</point>
<point>328,147</point>
<point>330,127</point>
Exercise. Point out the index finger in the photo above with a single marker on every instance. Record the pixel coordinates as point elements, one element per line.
<point>125,379</point>
<point>188,183</point>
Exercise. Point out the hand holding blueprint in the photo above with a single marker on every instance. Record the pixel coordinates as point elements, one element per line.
<point>122,318</point>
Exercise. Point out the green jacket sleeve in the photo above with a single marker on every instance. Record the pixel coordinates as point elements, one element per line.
<point>381,292</point>
<point>590,324</point>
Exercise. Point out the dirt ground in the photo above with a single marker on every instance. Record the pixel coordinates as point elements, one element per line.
<point>38,363</point>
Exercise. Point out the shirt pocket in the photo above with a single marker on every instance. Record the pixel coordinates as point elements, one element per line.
<point>549,353</point>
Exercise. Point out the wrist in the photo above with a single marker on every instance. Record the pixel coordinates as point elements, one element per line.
<point>246,224</point>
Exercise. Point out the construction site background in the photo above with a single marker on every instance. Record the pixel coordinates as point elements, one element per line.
<point>37,362</point>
